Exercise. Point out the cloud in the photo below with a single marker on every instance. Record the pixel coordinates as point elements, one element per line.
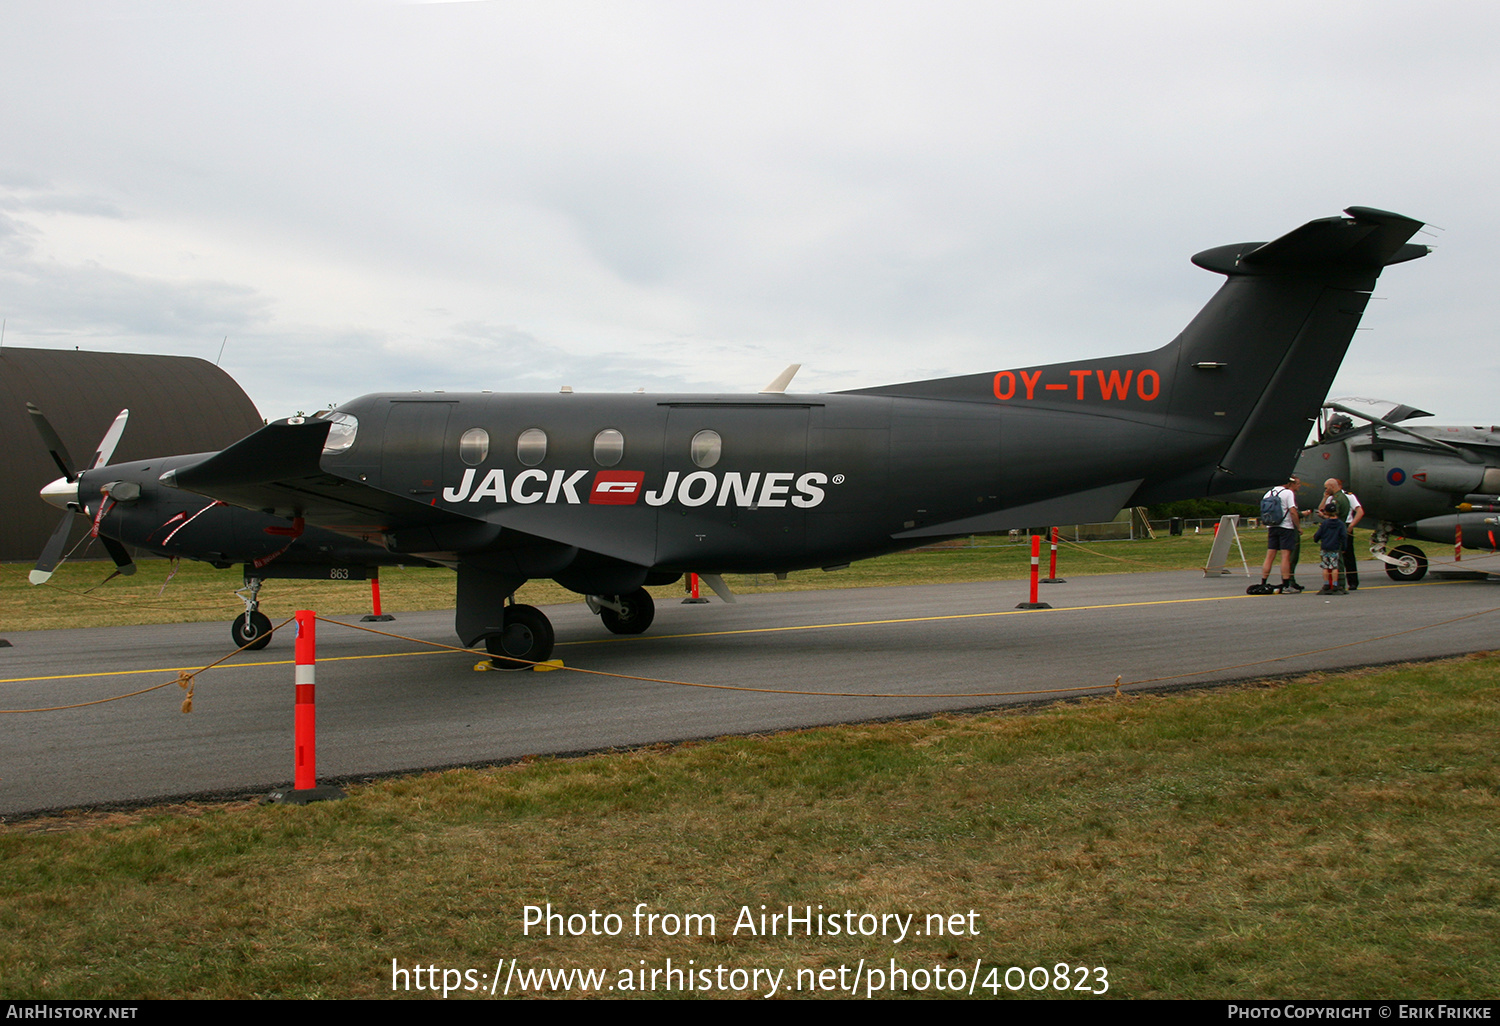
<point>689,196</point>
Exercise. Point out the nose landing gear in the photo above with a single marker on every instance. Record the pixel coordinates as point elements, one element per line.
<point>251,630</point>
<point>1405,563</point>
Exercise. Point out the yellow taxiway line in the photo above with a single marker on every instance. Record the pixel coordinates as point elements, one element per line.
<point>713,634</point>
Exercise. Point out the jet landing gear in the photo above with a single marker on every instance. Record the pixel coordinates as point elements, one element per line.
<point>1405,563</point>
<point>525,637</point>
<point>1410,564</point>
<point>624,614</point>
<point>251,630</point>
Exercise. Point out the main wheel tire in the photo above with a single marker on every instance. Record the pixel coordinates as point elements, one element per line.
<point>525,638</point>
<point>251,631</point>
<point>638,610</point>
<point>1413,565</point>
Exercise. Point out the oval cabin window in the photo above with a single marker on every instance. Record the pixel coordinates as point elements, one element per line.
<point>706,448</point>
<point>609,447</point>
<point>531,447</point>
<point>474,446</point>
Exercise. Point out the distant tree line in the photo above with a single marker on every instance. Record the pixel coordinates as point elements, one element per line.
<point>1200,509</point>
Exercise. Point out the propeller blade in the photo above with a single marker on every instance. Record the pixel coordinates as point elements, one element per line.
<point>52,554</point>
<point>110,440</point>
<point>55,447</point>
<point>124,565</point>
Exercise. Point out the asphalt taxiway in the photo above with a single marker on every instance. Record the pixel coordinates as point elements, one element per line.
<point>818,657</point>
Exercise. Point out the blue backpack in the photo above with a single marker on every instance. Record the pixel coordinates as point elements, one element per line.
<point>1272,513</point>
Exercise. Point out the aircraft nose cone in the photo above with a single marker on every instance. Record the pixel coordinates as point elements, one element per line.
<point>61,492</point>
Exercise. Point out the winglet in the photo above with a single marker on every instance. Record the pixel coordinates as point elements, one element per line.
<point>778,385</point>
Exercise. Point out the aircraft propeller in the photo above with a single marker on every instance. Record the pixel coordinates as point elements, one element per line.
<point>64,492</point>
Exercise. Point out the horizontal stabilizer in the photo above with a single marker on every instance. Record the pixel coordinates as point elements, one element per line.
<point>1368,239</point>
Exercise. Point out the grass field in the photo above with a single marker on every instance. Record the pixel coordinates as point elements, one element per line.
<point>1328,836</point>
<point>197,592</point>
<point>1331,836</point>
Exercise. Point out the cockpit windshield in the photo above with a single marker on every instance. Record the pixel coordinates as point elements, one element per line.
<point>341,434</point>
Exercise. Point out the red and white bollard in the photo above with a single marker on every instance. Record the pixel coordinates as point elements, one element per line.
<point>1052,577</point>
<point>1036,565</point>
<point>1458,542</point>
<point>306,775</point>
<point>305,722</point>
<point>376,616</point>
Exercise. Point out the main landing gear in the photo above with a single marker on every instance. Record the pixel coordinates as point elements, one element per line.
<point>624,614</point>
<point>525,637</point>
<point>251,630</point>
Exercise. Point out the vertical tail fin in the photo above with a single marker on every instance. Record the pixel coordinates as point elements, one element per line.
<point>1286,316</point>
<point>1227,404</point>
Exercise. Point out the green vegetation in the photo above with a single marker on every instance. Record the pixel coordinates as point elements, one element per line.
<point>1208,509</point>
<point>197,592</point>
<point>1331,836</point>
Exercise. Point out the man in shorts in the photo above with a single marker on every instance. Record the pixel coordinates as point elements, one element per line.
<point>1282,535</point>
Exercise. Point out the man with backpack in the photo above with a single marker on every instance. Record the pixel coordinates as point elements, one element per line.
<point>1278,511</point>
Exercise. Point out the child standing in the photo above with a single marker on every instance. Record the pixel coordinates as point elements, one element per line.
<point>1330,538</point>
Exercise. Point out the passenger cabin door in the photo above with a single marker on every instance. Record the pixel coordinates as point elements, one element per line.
<point>729,479</point>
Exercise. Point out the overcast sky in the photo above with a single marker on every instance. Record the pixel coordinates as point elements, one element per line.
<point>366,196</point>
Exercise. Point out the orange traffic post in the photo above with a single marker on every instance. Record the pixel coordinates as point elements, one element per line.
<point>305,721</point>
<point>1052,577</point>
<point>306,776</point>
<point>376,615</point>
<point>1036,565</point>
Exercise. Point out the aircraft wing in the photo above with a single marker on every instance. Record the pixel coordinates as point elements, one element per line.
<point>278,470</point>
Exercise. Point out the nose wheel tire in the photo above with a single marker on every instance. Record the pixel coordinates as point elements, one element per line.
<point>1413,565</point>
<point>251,631</point>
<point>638,610</point>
<point>525,638</point>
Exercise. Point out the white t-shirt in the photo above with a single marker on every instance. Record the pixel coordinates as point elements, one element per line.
<point>1288,500</point>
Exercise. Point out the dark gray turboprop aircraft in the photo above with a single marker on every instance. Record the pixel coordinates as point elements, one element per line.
<point>1441,484</point>
<point>606,494</point>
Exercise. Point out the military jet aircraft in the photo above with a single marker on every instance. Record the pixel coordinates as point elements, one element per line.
<point>1436,483</point>
<point>607,494</point>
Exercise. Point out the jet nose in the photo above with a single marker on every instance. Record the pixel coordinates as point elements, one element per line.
<point>61,492</point>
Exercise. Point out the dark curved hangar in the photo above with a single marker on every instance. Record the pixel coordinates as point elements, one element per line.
<point>178,404</point>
